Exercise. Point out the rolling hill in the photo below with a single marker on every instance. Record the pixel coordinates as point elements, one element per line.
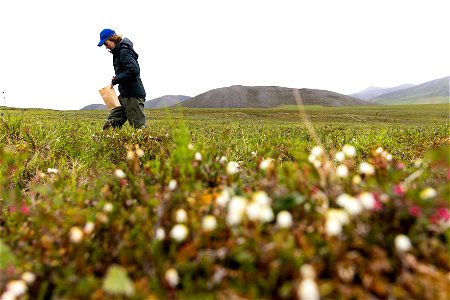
<point>435,91</point>
<point>165,101</point>
<point>238,96</point>
<point>372,92</point>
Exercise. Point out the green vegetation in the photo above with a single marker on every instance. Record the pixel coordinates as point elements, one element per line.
<point>220,203</point>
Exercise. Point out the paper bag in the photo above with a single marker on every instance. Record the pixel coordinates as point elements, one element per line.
<point>109,96</point>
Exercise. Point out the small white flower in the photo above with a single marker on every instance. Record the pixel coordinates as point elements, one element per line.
<point>75,234</point>
<point>190,147</point>
<point>232,168</point>
<point>339,156</point>
<point>350,204</point>
<point>366,168</point>
<point>209,223</point>
<point>427,193</point>
<point>108,207</point>
<point>308,290</point>
<point>88,227</point>
<point>317,151</point>
<point>16,287</point>
<point>312,158</point>
<point>342,171</point>
<point>356,180</point>
<point>236,210</point>
<point>222,159</point>
<point>130,155</point>
<point>402,243</point>
<point>367,200</point>
<point>28,277</point>
<point>333,227</point>
<point>160,234</point>
<point>339,214</point>
<point>349,150</point>
<point>52,171</point>
<point>266,214</point>
<point>379,150</point>
<point>262,198</point>
<point>8,295</point>
<point>284,219</point>
<point>254,153</point>
<point>172,277</point>
<point>139,152</point>
<point>265,164</point>
<point>253,211</point>
<point>198,156</point>
<point>181,216</point>
<point>307,271</point>
<point>119,173</point>
<point>179,232</point>
<point>223,198</point>
<point>172,185</point>
<point>388,157</point>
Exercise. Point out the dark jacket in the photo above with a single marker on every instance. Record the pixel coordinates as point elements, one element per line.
<point>127,70</point>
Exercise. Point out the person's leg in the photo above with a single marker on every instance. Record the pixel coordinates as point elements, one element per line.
<point>134,109</point>
<point>117,117</point>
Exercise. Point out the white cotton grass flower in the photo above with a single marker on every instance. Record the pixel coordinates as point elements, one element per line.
<point>209,223</point>
<point>108,207</point>
<point>179,232</point>
<point>198,156</point>
<point>131,155</point>
<point>52,171</point>
<point>76,234</point>
<point>172,185</point>
<point>339,156</point>
<point>367,200</point>
<point>89,227</point>
<point>232,168</point>
<point>349,150</point>
<point>284,219</point>
<point>366,169</point>
<point>172,277</point>
<point>333,227</point>
<point>16,288</point>
<point>351,204</point>
<point>402,243</point>
<point>28,277</point>
<point>236,210</point>
<point>139,152</point>
<point>317,151</point>
<point>262,198</point>
<point>160,234</point>
<point>181,216</point>
<point>342,171</point>
<point>335,219</point>
<point>119,173</point>
<point>266,163</point>
<point>427,193</point>
<point>308,289</point>
<point>223,198</point>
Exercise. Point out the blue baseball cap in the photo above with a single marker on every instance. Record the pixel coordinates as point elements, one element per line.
<point>104,35</point>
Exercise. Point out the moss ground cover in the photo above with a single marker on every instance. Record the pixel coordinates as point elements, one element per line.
<point>210,203</point>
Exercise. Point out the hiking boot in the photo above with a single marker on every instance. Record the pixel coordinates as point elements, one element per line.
<point>108,124</point>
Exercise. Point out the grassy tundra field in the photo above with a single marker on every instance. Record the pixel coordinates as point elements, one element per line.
<point>285,203</point>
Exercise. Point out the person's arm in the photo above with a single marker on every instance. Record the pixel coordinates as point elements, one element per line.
<point>130,65</point>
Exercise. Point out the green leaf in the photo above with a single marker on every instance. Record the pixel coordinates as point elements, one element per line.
<point>7,258</point>
<point>117,281</point>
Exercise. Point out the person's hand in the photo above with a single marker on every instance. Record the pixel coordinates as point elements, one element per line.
<point>114,77</point>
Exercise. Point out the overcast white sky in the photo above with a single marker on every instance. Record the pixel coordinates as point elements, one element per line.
<point>49,56</point>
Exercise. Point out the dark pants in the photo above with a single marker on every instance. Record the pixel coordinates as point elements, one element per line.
<point>132,109</point>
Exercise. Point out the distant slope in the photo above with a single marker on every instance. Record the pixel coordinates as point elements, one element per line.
<point>95,107</point>
<point>165,101</point>
<point>435,91</point>
<point>238,96</point>
<point>372,92</point>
